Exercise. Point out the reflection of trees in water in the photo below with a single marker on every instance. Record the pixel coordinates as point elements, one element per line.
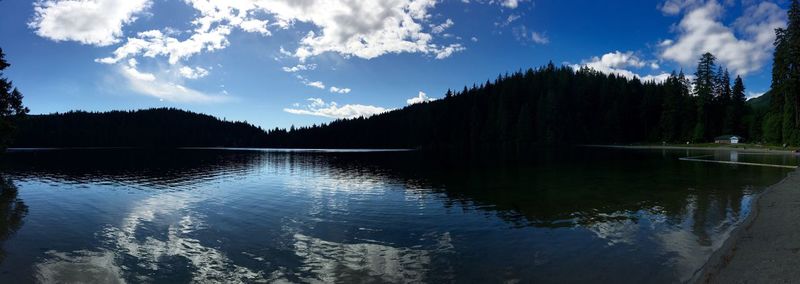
<point>12,211</point>
<point>159,169</point>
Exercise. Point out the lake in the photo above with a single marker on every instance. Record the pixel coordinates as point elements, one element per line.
<point>246,215</point>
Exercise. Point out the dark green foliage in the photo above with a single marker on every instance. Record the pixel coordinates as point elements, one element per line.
<point>782,123</point>
<point>11,108</point>
<point>144,128</point>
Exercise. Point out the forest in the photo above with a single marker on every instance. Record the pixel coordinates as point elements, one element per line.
<point>152,128</point>
<point>550,106</point>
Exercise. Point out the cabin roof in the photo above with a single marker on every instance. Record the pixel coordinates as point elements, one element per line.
<point>728,137</point>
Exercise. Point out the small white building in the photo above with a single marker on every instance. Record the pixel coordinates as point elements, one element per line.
<point>728,139</point>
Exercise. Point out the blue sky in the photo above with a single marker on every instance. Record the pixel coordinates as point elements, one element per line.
<point>277,63</point>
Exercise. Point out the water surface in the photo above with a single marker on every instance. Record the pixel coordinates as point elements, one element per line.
<point>205,215</point>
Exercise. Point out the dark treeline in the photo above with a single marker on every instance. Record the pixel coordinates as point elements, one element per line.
<point>160,127</point>
<point>548,106</point>
<point>782,120</point>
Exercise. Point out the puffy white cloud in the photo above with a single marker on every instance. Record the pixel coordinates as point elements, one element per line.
<point>619,59</point>
<point>163,87</point>
<point>193,73</point>
<point>616,62</point>
<point>420,98</point>
<point>365,29</point>
<point>154,43</point>
<point>318,107</point>
<point>743,50</point>
<point>340,90</point>
<point>362,29</point>
<point>95,22</point>
<point>299,67</point>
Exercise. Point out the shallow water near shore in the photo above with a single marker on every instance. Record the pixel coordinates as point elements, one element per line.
<point>200,215</point>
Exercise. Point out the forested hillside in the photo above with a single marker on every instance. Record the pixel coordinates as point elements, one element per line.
<point>144,128</point>
<point>548,106</point>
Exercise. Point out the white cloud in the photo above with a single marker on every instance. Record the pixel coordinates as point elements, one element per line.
<point>318,107</point>
<point>365,29</point>
<point>674,7</point>
<point>539,38</point>
<point>511,18</point>
<point>163,87</point>
<point>299,67</point>
<point>315,84</point>
<point>340,90</point>
<point>474,39</point>
<point>362,29</point>
<point>511,4</point>
<point>193,73</point>
<point>154,43</point>
<point>420,98</point>
<point>522,34</point>
<point>437,29</point>
<point>95,22</point>
<point>619,59</point>
<point>743,50</point>
<point>449,50</point>
<point>616,63</point>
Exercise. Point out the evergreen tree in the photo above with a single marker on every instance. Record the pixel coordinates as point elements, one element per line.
<point>737,108</point>
<point>782,122</point>
<point>704,86</point>
<point>11,108</point>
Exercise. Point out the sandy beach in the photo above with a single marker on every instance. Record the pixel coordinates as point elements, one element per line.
<point>766,246</point>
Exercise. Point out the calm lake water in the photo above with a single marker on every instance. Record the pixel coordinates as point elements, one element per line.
<point>207,215</point>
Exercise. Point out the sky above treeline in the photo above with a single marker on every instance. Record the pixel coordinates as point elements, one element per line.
<point>277,63</point>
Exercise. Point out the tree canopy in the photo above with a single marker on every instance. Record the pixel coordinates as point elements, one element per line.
<point>11,108</point>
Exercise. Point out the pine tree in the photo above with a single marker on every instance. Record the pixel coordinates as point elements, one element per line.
<point>704,85</point>
<point>738,107</point>
<point>11,108</point>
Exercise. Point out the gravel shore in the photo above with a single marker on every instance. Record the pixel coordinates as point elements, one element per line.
<point>766,246</point>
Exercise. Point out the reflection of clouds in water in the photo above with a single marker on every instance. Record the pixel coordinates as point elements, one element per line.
<point>210,265</point>
<point>322,261</point>
<point>363,262</point>
<point>616,231</point>
<point>79,267</point>
<point>690,247</point>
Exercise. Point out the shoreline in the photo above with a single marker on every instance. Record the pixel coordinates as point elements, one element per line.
<point>720,148</point>
<point>764,247</point>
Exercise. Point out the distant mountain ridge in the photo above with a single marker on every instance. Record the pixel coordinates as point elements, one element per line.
<point>157,127</point>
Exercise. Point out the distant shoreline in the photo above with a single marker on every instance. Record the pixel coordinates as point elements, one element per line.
<point>754,149</point>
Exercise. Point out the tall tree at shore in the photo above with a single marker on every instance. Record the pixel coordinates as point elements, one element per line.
<point>782,123</point>
<point>11,108</point>
<point>737,108</point>
<point>704,86</point>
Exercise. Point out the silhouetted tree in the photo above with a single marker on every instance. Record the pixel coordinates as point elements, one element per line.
<point>11,108</point>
